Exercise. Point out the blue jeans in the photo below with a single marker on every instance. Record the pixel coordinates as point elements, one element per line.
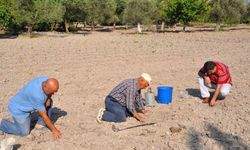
<point>114,112</point>
<point>21,126</point>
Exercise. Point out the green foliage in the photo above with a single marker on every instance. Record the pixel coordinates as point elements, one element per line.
<point>185,11</point>
<point>5,17</point>
<point>101,11</point>
<point>16,15</point>
<point>55,11</point>
<point>248,14</point>
<point>108,9</point>
<point>227,11</point>
<point>120,7</point>
<point>75,10</point>
<point>140,11</point>
<point>93,11</point>
<point>35,12</point>
<point>161,5</point>
<point>9,15</point>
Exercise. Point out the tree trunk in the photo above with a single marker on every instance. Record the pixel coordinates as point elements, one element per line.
<point>76,25</point>
<point>217,28</point>
<point>66,26</point>
<point>139,28</point>
<point>85,24</point>
<point>52,25</point>
<point>114,26</point>
<point>92,26</point>
<point>162,26</point>
<point>184,28</point>
<point>126,26</point>
<point>29,31</point>
<point>174,27</point>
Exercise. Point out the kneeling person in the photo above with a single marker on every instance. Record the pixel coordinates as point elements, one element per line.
<point>125,100</point>
<point>35,96</point>
<point>214,75</point>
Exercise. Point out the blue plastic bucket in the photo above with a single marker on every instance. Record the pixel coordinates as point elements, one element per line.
<point>165,94</point>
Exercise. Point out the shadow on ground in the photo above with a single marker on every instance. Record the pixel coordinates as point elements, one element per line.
<point>194,140</point>
<point>226,140</point>
<point>194,92</point>
<point>8,36</point>
<point>56,114</point>
<point>16,146</point>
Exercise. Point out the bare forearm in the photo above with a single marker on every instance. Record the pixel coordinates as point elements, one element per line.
<point>56,133</point>
<point>47,120</point>
<point>217,92</point>
<point>49,123</point>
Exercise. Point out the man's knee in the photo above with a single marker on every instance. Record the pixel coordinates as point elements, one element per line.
<point>24,131</point>
<point>224,93</point>
<point>121,118</point>
<point>201,80</point>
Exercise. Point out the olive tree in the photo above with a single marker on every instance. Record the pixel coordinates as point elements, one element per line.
<point>140,12</point>
<point>226,11</point>
<point>185,11</point>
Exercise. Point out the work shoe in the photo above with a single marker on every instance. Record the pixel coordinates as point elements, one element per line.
<point>99,116</point>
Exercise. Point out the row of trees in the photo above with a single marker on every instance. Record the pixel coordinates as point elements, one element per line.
<point>18,15</point>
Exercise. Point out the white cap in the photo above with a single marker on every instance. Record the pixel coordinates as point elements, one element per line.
<point>147,77</point>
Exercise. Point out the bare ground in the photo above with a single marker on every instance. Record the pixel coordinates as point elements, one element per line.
<point>88,66</point>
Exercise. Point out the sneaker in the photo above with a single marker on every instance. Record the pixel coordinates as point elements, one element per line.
<point>99,116</point>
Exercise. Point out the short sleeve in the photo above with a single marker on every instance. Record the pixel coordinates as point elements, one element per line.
<point>223,79</point>
<point>38,104</point>
<point>223,75</point>
<point>39,107</point>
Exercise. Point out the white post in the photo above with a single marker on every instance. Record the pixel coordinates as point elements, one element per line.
<point>162,25</point>
<point>139,27</point>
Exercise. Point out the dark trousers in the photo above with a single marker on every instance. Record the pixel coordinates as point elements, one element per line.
<point>114,112</point>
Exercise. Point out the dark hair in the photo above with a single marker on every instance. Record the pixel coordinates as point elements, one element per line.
<point>209,65</point>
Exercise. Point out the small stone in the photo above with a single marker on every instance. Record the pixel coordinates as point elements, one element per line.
<point>175,129</point>
<point>31,137</point>
<point>182,126</point>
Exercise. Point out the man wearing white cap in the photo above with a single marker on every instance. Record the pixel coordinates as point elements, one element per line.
<point>125,100</point>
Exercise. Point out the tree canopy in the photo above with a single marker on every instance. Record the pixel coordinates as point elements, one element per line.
<point>185,11</point>
<point>27,15</point>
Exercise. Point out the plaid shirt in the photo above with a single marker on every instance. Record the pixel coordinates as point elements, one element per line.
<point>128,95</point>
<point>221,75</point>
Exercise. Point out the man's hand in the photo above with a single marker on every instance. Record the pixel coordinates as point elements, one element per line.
<point>145,110</point>
<point>138,117</point>
<point>207,80</point>
<point>141,119</point>
<point>212,102</point>
<point>56,134</point>
<point>216,94</point>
